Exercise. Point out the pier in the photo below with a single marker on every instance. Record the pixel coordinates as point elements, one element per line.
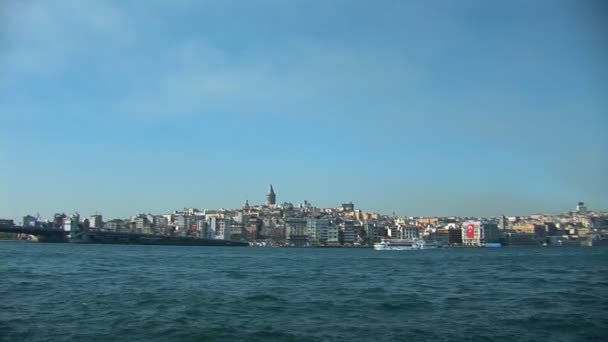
<point>44,233</point>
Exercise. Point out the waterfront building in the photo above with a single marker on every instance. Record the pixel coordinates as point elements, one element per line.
<point>333,234</point>
<point>295,231</point>
<point>59,219</point>
<point>454,236</point>
<point>502,222</point>
<point>251,232</point>
<point>360,233</point>
<point>150,218</point>
<point>439,236</point>
<point>278,234</point>
<point>254,226</point>
<point>159,221</point>
<point>239,217</point>
<point>71,223</point>
<point>211,225</point>
<point>29,221</point>
<point>185,222</point>
<point>271,198</point>
<point>7,222</point>
<point>317,230</point>
<point>221,227</point>
<point>169,218</point>
<point>142,224</point>
<point>475,233</point>
<point>96,221</point>
<point>370,231</point>
<point>268,225</point>
<point>492,233</point>
<point>549,228</point>
<point>115,225</point>
<point>204,230</point>
<point>236,230</point>
<point>403,231</point>
<point>348,231</point>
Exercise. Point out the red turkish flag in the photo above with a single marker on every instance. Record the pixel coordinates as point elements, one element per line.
<point>471,231</point>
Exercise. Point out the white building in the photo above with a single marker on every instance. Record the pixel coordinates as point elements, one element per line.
<point>409,232</point>
<point>333,234</point>
<point>404,232</point>
<point>71,224</point>
<point>159,221</point>
<point>317,230</point>
<point>475,233</point>
<point>205,232</point>
<point>185,223</point>
<point>219,227</point>
<point>96,221</point>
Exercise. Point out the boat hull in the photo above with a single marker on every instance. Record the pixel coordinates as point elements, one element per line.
<point>400,245</point>
<point>397,248</point>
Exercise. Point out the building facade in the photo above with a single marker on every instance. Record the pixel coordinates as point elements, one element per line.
<point>370,231</point>
<point>296,232</point>
<point>475,233</point>
<point>96,221</point>
<point>29,221</point>
<point>348,231</point>
<point>317,230</point>
<point>333,234</point>
<point>219,228</point>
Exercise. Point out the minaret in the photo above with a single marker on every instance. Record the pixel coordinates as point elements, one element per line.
<point>271,198</point>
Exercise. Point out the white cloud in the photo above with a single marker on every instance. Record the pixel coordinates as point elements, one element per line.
<point>189,74</point>
<point>197,77</point>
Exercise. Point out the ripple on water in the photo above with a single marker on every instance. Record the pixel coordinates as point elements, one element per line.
<point>144,293</point>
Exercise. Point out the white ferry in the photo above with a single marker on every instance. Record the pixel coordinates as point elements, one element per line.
<point>399,245</point>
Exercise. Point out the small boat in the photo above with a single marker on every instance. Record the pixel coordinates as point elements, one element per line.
<point>399,245</point>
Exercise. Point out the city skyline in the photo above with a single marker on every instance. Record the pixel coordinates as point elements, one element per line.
<point>423,108</point>
<point>266,203</point>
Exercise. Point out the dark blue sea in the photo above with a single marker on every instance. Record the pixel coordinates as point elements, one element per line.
<point>71,292</point>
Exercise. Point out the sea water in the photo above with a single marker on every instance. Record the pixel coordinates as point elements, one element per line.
<point>60,292</point>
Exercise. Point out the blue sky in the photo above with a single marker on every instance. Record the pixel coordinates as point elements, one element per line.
<point>412,107</point>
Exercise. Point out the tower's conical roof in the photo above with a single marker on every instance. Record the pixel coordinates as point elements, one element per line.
<point>271,190</point>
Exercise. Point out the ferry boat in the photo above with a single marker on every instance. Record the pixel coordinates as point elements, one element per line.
<point>399,245</point>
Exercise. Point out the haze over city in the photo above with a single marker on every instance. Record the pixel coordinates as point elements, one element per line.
<point>418,108</point>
